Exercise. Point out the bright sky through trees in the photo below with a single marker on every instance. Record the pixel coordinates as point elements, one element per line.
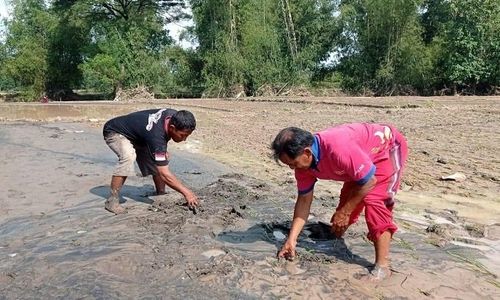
<point>3,8</point>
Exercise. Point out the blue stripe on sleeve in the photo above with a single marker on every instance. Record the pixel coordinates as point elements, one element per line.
<point>303,192</point>
<point>367,176</point>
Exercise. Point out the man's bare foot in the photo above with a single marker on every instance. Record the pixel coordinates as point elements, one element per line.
<point>377,274</point>
<point>113,205</point>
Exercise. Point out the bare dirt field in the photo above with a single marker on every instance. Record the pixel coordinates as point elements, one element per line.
<point>56,240</point>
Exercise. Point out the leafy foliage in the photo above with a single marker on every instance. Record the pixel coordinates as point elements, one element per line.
<point>251,47</point>
<point>384,51</point>
<point>26,46</point>
<point>262,42</point>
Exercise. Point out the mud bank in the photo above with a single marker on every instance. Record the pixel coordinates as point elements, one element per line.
<point>57,241</point>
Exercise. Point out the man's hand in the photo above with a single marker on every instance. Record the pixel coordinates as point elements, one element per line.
<point>191,199</point>
<point>340,222</point>
<point>288,250</point>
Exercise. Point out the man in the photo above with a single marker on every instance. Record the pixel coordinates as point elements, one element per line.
<point>368,158</point>
<point>143,136</point>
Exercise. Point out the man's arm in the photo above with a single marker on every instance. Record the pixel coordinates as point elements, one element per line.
<point>340,220</point>
<point>172,181</point>
<point>300,215</point>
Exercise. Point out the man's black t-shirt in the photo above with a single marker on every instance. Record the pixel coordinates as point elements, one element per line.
<point>144,128</point>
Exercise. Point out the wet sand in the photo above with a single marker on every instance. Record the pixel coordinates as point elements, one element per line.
<point>57,241</point>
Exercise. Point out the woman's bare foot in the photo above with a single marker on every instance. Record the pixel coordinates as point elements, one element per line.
<point>113,205</point>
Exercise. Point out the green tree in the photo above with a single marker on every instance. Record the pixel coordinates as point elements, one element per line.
<point>66,50</point>
<point>253,43</point>
<point>6,81</point>
<point>472,43</point>
<point>265,62</point>
<point>26,46</point>
<point>218,33</point>
<point>464,36</point>
<point>129,43</point>
<point>435,15</point>
<point>185,70</point>
<point>316,31</point>
<point>381,47</point>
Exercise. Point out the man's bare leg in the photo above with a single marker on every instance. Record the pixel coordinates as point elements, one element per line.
<point>382,245</point>
<point>113,202</point>
<point>159,185</point>
<point>382,249</point>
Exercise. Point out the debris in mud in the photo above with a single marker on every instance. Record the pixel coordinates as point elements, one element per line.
<point>448,214</point>
<point>217,265</point>
<point>278,235</point>
<point>7,278</point>
<point>476,230</point>
<point>238,211</point>
<point>442,230</point>
<point>490,177</point>
<point>442,161</point>
<point>458,177</point>
<point>140,93</point>
<point>308,258</point>
<point>442,234</point>
<point>328,201</point>
<point>440,243</point>
<point>468,241</point>
<point>193,172</point>
<point>213,253</point>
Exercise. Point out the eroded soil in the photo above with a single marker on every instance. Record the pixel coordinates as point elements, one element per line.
<point>57,241</point>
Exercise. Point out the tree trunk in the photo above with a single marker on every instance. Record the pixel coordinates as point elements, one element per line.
<point>117,92</point>
<point>232,25</point>
<point>289,27</point>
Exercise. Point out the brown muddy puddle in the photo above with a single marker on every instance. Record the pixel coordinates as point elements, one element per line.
<point>58,111</point>
<point>225,251</point>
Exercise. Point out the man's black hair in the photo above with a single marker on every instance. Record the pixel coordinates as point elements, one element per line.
<point>291,141</point>
<point>183,120</point>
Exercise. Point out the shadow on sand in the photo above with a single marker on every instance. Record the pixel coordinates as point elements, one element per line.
<point>136,193</point>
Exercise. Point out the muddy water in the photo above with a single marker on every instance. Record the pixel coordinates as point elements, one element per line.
<point>63,111</point>
<point>57,241</point>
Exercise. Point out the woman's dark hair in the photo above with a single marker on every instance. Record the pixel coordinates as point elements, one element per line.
<point>183,120</point>
<point>291,141</point>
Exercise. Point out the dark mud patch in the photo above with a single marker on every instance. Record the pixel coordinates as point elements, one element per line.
<point>222,203</point>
